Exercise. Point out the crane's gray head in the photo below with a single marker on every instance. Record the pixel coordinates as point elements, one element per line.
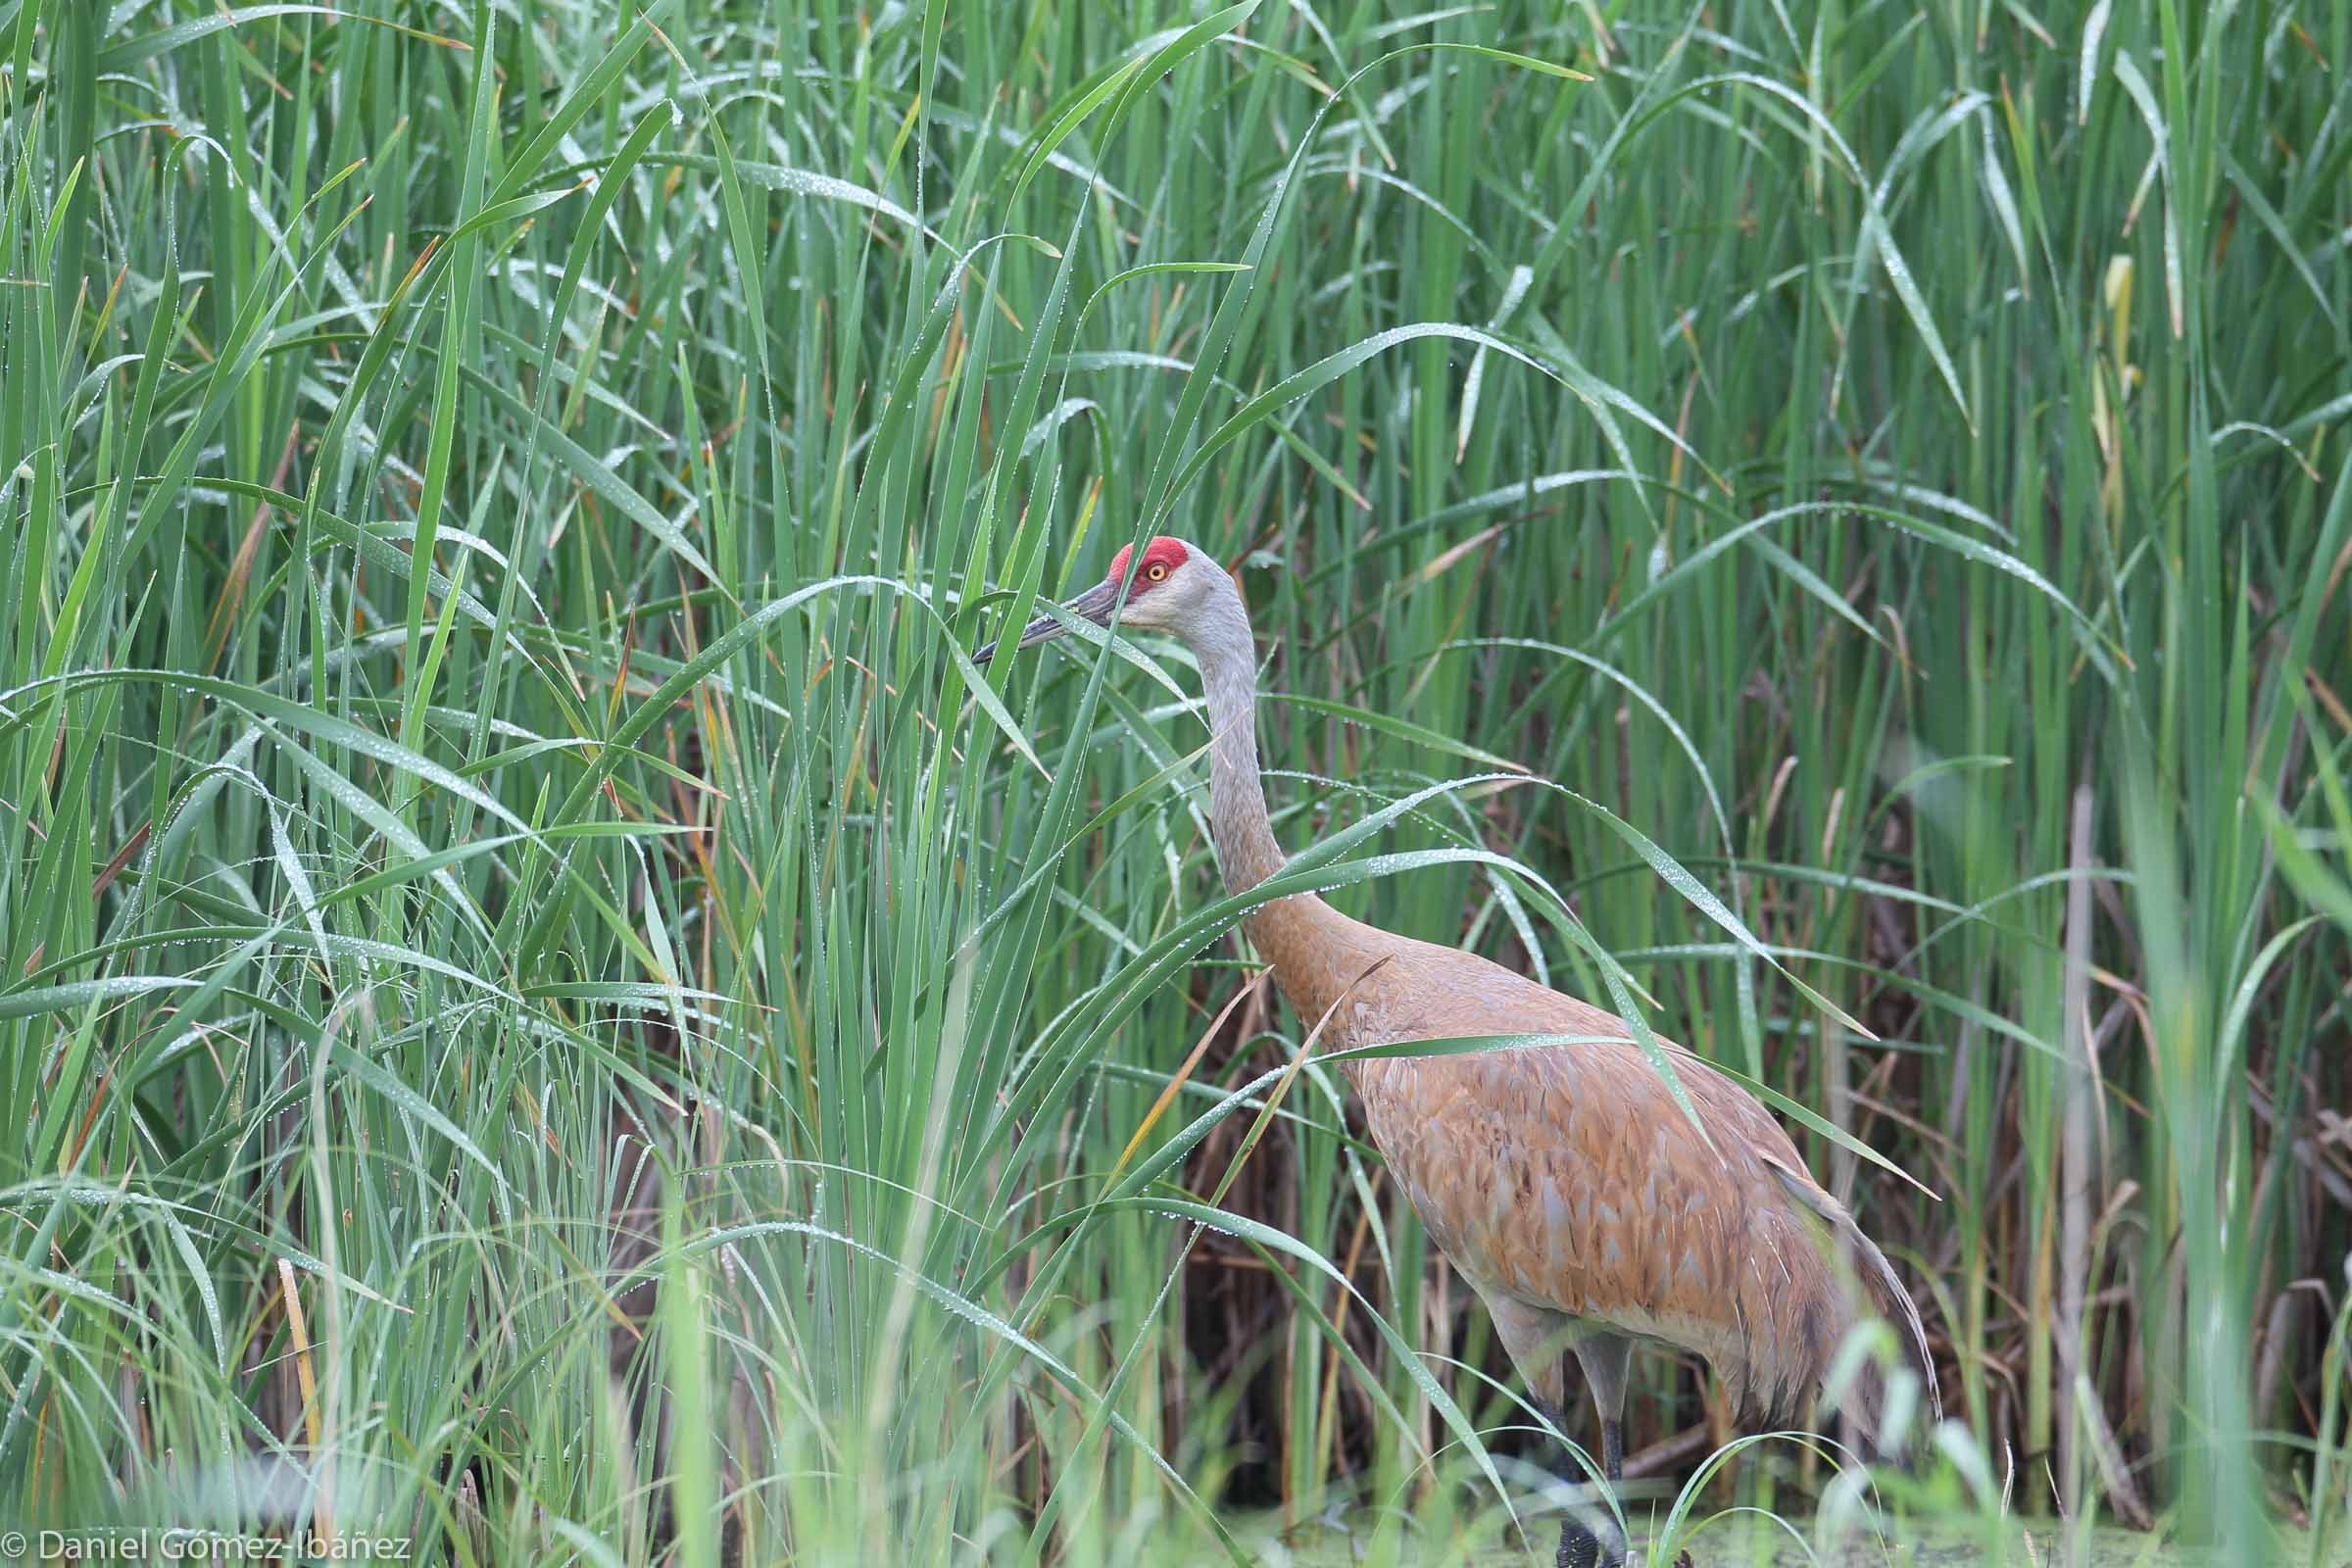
<point>1171,586</point>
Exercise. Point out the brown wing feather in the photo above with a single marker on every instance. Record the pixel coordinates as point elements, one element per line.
<point>1566,1178</point>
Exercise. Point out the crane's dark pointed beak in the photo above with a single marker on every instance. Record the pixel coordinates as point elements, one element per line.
<point>1094,605</point>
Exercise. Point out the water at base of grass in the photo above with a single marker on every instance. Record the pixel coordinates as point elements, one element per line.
<point>1749,1541</point>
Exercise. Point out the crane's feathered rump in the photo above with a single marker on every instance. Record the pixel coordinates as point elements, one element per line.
<point>1874,1284</point>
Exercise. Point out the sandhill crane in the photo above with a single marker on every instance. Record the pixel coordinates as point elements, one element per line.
<point>1562,1181</point>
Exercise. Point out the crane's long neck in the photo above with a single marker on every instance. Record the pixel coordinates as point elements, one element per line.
<point>1246,851</point>
<point>1316,952</point>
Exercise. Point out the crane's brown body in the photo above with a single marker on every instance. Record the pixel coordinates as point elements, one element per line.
<point>1563,1180</point>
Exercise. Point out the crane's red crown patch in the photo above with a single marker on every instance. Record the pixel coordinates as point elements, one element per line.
<point>1161,551</point>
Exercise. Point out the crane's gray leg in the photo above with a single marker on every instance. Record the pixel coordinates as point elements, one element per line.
<point>1589,1537</point>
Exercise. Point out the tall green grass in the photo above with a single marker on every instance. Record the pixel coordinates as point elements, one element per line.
<point>554,1011</point>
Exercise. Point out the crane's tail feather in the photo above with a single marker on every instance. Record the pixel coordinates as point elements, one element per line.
<point>1864,1403</point>
<point>1893,1304</point>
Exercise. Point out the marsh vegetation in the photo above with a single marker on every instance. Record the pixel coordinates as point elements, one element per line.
<point>552,1011</point>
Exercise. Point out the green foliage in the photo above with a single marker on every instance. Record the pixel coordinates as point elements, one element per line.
<point>555,1011</point>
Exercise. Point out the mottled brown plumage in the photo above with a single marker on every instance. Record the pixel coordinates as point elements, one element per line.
<point>1562,1181</point>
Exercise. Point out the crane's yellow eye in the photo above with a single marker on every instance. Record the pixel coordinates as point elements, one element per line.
<point>1157,572</point>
